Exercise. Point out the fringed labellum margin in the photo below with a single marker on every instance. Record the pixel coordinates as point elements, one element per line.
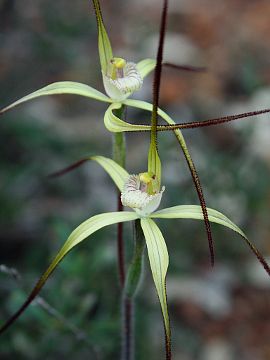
<point>121,79</point>
<point>141,193</point>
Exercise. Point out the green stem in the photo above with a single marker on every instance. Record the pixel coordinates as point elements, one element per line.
<point>131,285</point>
<point>119,143</point>
<point>119,156</point>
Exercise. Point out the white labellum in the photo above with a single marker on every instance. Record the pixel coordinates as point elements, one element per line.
<point>134,197</point>
<point>128,81</point>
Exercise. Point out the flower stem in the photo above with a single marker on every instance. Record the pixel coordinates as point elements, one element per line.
<point>131,285</point>
<point>119,156</point>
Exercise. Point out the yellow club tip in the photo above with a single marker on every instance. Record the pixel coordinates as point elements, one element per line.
<point>146,177</point>
<point>119,63</point>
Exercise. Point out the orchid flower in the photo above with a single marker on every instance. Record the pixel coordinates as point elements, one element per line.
<point>142,193</point>
<point>121,79</point>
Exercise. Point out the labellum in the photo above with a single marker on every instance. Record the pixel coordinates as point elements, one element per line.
<point>142,194</point>
<point>121,79</point>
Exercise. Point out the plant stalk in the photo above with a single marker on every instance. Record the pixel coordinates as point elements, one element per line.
<point>131,286</point>
<point>119,156</point>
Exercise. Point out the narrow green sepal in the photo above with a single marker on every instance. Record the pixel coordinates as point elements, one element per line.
<point>104,45</point>
<point>117,173</point>
<point>159,261</point>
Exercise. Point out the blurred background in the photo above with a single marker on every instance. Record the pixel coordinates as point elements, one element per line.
<point>216,314</point>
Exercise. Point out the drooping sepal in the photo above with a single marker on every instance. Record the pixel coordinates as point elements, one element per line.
<point>159,261</point>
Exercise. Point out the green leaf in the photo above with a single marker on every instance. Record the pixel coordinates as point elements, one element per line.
<point>159,261</point>
<point>195,212</point>
<point>118,174</point>
<point>104,45</point>
<point>84,230</point>
<point>145,66</point>
<point>114,124</point>
<point>62,87</point>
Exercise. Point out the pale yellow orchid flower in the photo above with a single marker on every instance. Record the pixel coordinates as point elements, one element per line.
<point>142,194</point>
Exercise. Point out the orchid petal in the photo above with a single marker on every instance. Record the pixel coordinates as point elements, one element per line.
<point>195,212</point>
<point>118,174</point>
<point>146,66</point>
<point>62,87</point>
<point>84,230</point>
<point>159,261</point>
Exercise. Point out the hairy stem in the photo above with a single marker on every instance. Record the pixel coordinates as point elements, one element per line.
<point>211,122</point>
<point>131,285</point>
<point>119,156</point>
<point>157,77</point>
